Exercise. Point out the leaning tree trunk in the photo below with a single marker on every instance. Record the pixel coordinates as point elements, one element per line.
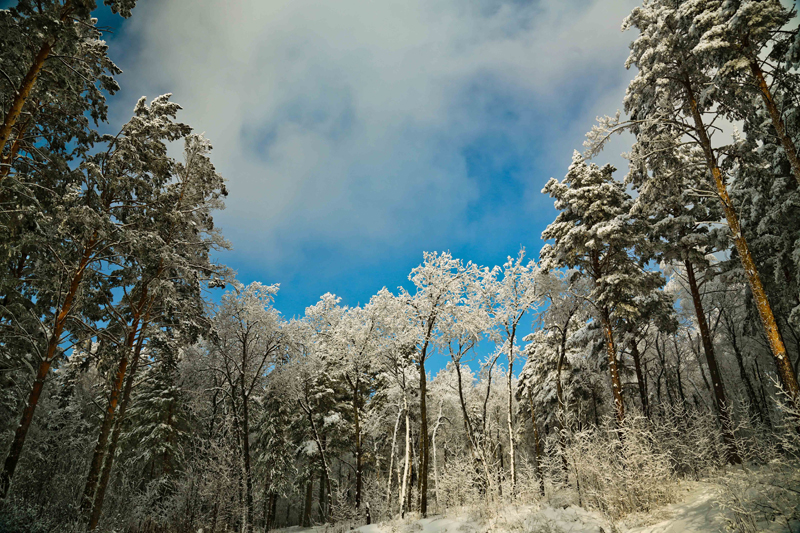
<point>713,369</point>
<point>90,488</point>
<point>775,116</point>
<point>770,325</point>
<point>110,454</point>
<point>93,495</point>
<point>23,92</point>
<point>15,451</point>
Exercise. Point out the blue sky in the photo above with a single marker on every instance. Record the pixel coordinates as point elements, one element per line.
<point>355,135</point>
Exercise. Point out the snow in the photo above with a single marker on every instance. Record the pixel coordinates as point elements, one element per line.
<point>699,511</point>
<point>522,518</point>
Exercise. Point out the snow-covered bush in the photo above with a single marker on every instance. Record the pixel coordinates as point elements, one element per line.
<point>765,494</point>
<point>692,439</point>
<point>620,471</point>
<point>457,486</point>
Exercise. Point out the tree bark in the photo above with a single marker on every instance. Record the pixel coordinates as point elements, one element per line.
<point>435,466</point>
<point>269,519</point>
<point>90,488</point>
<point>105,475</point>
<point>309,497</point>
<point>15,451</point>
<point>29,81</point>
<point>637,364</point>
<point>537,455</point>
<point>616,383</point>
<point>775,115</point>
<point>737,352</point>
<point>102,441</point>
<point>407,460</point>
<point>785,371</point>
<point>561,417</point>
<point>391,457</point>
<point>135,335</point>
<point>511,450</point>
<point>423,470</point>
<point>713,369</point>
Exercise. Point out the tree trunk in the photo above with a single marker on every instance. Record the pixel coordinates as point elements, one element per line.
<point>105,428</point>
<point>511,451</point>
<point>561,417</point>
<point>29,81</point>
<point>477,450</point>
<point>737,352</point>
<point>102,441</point>
<point>435,466</point>
<point>407,460</point>
<point>775,115</point>
<point>423,470</point>
<point>321,448</point>
<point>248,478</point>
<point>391,457</point>
<point>713,369</point>
<point>785,371</point>
<point>269,519</point>
<point>15,451</point>
<point>358,444</point>
<point>637,364</point>
<point>105,475</point>
<point>537,455</point>
<point>309,497</point>
<point>462,401</point>
<point>321,492</point>
<point>616,383</point>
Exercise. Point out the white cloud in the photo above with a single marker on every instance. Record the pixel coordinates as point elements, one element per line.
<point>347,122</point>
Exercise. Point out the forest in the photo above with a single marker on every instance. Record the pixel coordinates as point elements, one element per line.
<point>652,342</point>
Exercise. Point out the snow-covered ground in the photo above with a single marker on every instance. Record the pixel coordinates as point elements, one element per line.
<point>698,511</point>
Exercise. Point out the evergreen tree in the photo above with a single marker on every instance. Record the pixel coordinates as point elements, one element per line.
<point>669,108</point>
<point>593,233</point>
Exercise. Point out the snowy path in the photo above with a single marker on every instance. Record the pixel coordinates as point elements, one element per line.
<point>698,512</point>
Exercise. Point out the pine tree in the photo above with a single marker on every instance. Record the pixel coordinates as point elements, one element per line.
<point>744,46</point>
<point>55,70</point>
<point>669,108</point>
<point>155,214</point>
<point>593,233</point>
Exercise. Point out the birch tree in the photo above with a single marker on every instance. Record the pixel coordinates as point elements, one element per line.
<point>511,292</point>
